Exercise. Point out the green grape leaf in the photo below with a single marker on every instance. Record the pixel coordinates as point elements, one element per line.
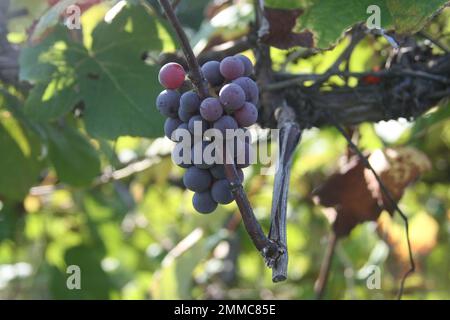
<point>409,16</point>
<point>75,160</point>
<point>118,88</point>
<point>52,100</point>
<point>328,19</point>
<point>112,79</point>
<point>19,153</point>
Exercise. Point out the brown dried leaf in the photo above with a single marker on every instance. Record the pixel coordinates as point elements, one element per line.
<point>348,198</point>
<point>280,34</point>
<point>353,195</point>
<point>397,168</point>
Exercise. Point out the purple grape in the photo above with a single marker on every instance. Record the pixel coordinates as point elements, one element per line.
<point>190,102</point>
<point>225,122</point>
<point>232,68</point>
<point>197,119</point>
<point>248,65</point>
<point>211,72</point>
<point>221,192</point>
<point>170,125</point>
<point>168,102</point>
<point>247,115</point>
<point>232,96</point>
<point>197,180</point>
<point>211,109</point>
<point>250,89</point>
<point>203,202</point>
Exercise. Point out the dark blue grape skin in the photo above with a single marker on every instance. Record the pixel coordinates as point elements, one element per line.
<point>211,72</point>
<point>232,68</point>
<point>221,192</point>
<point>190,102</point>
<point>248,65</point>
<point>197,180</point>
<point>170,125</point>
<point>211,109</point>
<point>232,97</point>
<point>184,115</point>
<point>250,89</point>
<point>247,115</point>
<point>168,102</point>
<point>195,119</point>
<point>225,122</point>
<point>203,202</point>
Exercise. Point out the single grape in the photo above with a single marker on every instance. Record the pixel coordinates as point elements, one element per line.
<point>221,192</point>
<point>211,72</point>
<point>190,102</point>
<point>232,97</point>
<point>211,109</point>
<point>203,202</point>
<point>197,180</point>
<point>168,102</point>
<point>250,89</point>
<point>170,125</point>
<point>197,120</point>
<point>247,115</point>
<point>171,75</point>
<point>225,122</point>
<point>232,68</point>
<point>248,66</point>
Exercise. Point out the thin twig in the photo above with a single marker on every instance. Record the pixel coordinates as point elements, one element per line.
<point>389,196</point>
<point>298,80</point>
<point>321,283</point>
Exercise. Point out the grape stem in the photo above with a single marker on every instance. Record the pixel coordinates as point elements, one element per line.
<point>268,248</point>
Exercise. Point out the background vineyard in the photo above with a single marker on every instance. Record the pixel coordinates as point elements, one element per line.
<point>86,176</point>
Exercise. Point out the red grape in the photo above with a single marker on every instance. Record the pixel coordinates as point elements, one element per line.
<point>171,75</point>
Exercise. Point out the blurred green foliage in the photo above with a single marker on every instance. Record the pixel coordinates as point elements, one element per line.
<point>100,191</point>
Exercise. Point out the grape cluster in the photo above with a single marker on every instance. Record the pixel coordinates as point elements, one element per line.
<point>232,104</point>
